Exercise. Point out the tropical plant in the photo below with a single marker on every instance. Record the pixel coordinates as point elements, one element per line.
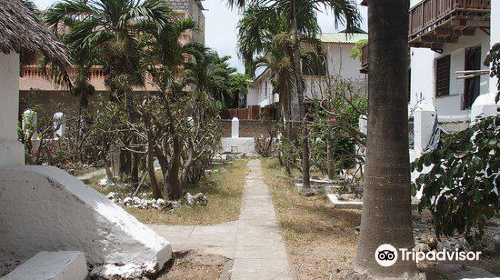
<point>299,17</point>
<point>356,51</point>
<point>462,187</point>
<point>387,215</point>
<point>115,26</point>
<point>334,127</point>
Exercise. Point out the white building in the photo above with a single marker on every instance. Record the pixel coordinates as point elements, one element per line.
<point>446,38</point>
<point>336,61</point>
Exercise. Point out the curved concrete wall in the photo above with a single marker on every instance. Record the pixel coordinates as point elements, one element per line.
<point>46,209</point>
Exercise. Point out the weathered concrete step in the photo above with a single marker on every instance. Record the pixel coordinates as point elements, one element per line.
<point>63,265</point>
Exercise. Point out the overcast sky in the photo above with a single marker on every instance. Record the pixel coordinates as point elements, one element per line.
<point>221,23</point>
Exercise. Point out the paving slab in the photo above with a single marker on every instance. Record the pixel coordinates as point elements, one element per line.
<point>254,241</point>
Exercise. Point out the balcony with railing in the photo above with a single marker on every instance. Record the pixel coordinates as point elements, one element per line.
<point>34,77</point>
<point>436,22</point>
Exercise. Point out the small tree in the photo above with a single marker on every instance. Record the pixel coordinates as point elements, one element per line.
<point>462,188</point>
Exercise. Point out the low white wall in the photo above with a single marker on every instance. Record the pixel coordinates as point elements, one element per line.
<point>69,265</point>
<point>46,209</point>
<point>244,145</point>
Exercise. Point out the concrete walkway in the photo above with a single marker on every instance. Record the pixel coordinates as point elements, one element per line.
<point>253,241</point>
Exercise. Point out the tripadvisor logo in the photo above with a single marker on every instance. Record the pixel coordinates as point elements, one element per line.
<point>387,255</point>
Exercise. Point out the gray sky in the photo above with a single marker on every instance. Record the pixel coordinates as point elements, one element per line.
<point>220,27</point>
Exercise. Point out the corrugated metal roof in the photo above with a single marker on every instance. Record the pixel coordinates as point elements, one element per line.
<point>342,37</point>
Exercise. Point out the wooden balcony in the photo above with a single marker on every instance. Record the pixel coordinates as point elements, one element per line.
<point>436,22</point>
<point>364,59</point>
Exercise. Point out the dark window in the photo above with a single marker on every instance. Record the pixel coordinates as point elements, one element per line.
<point>314,65</point>
<point>471,86</point>
<point>443,76</point>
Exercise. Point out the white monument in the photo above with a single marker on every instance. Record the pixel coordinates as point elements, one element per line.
<point>235,128</point>
<point>424,118</point>
<point>59,125</point>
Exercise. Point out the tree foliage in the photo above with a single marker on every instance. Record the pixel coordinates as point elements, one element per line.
<point>462,187</point>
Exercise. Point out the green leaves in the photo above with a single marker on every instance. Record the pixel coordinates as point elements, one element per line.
<point>461,190</point>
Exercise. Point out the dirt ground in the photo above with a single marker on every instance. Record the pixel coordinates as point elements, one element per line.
<point>321,241</point>
<point>193,266</point>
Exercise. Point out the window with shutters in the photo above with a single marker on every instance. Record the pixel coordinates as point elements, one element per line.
<point>443,76</point>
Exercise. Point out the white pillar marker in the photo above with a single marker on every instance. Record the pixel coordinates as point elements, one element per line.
<point>235,128</point>
<point>59,125</point>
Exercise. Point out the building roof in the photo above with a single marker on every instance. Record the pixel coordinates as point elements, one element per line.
<point>22,32</point>
<point>342,38</point>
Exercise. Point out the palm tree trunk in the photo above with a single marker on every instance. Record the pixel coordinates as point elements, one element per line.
<point>172,182</point>
<point>306,183</point>
<point>387,194</point>
<point>150,159</point>
<point>302,111</point>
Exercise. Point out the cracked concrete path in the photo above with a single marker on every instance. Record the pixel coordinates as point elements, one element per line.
<point>253,241</point>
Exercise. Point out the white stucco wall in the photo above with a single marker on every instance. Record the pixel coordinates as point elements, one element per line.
<point>244,145</point>
<point>252,96</point>
<point>339,64</point>
<point>495,34</point>
<point>423,73</point>
<point>11,150</point>
<point>46,209</point>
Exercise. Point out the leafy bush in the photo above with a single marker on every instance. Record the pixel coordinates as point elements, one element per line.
<point>462,188</point>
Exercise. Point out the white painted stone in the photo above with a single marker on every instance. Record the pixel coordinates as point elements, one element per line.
<point>11,150</point>
<point>235,128</point>
<point>30,118</point>
<point>59,212</point>
<point>245,145</point>
<point>344,204</point>
<point>424,119</point>
<point>363,124</point>
<point>65,265</point>
<point>59,125</point>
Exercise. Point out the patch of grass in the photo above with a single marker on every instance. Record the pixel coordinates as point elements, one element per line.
<point>224,192</point>
<point>320,239</point>
<point>84,170</point>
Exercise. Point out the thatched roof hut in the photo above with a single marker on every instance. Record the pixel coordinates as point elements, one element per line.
<point>22,32</point>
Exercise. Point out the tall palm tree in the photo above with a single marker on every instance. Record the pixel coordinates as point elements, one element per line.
<point>299,18</point>
<point>115,25</point>
<point>214,75</point>
<point>387,194</point>
<point>343,11</point>
<point>264,41</point>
